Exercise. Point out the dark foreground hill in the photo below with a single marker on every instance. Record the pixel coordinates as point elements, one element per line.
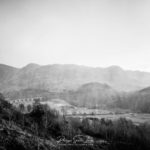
<point>68,77</point>
<point>15,135</point>
<point>37,130</point>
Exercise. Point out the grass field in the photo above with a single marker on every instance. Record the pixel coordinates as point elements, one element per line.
<point>137,118</point>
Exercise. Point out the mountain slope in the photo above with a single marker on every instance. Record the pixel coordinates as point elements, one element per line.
<point>91,95</point>
<point>138,101</point>
<point>6,73</point>
<point>66,77</point>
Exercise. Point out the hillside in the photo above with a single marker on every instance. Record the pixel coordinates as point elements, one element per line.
<point>6,73</point>
<point>92,94</point>
<point>138,101</point>
<point>26,93</point>
<point>16,132</point>
<point>66,77</point>
<point>58,104</point>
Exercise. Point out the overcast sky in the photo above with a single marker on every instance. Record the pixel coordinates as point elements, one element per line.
<point>85,32</point>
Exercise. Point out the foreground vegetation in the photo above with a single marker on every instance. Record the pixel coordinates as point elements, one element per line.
<point>39,129</point>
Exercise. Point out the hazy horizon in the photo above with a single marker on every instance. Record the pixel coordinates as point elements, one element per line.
<point>30,63</point>
<point>92,33</point>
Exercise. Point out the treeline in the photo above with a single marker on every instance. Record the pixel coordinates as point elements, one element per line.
<point>137,101</point>
<point>121,134</point>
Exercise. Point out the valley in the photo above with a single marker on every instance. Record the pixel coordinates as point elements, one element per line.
<point>70,111</point>
<point>70,101</point>
<point>134,117</point>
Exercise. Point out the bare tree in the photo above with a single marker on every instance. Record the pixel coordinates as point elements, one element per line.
<point>29,108</point>
<point>22,109</point>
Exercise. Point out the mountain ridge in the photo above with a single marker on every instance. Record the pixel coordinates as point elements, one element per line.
<point>58,77</point>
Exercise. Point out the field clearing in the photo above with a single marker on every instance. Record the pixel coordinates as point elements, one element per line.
<point>137,118</point>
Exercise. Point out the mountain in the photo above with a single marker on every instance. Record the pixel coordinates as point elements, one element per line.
<point>145,90</point>
<point>91,95</point>
<point>6,73</point>
<point>69,77</point>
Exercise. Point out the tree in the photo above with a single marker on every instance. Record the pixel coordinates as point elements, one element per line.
<point>21,107</point>
<point>29,108</point>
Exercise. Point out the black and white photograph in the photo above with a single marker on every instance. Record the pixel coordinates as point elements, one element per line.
<point>74,74</point>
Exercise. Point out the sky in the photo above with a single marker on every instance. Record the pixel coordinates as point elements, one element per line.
<point>97,33</point>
